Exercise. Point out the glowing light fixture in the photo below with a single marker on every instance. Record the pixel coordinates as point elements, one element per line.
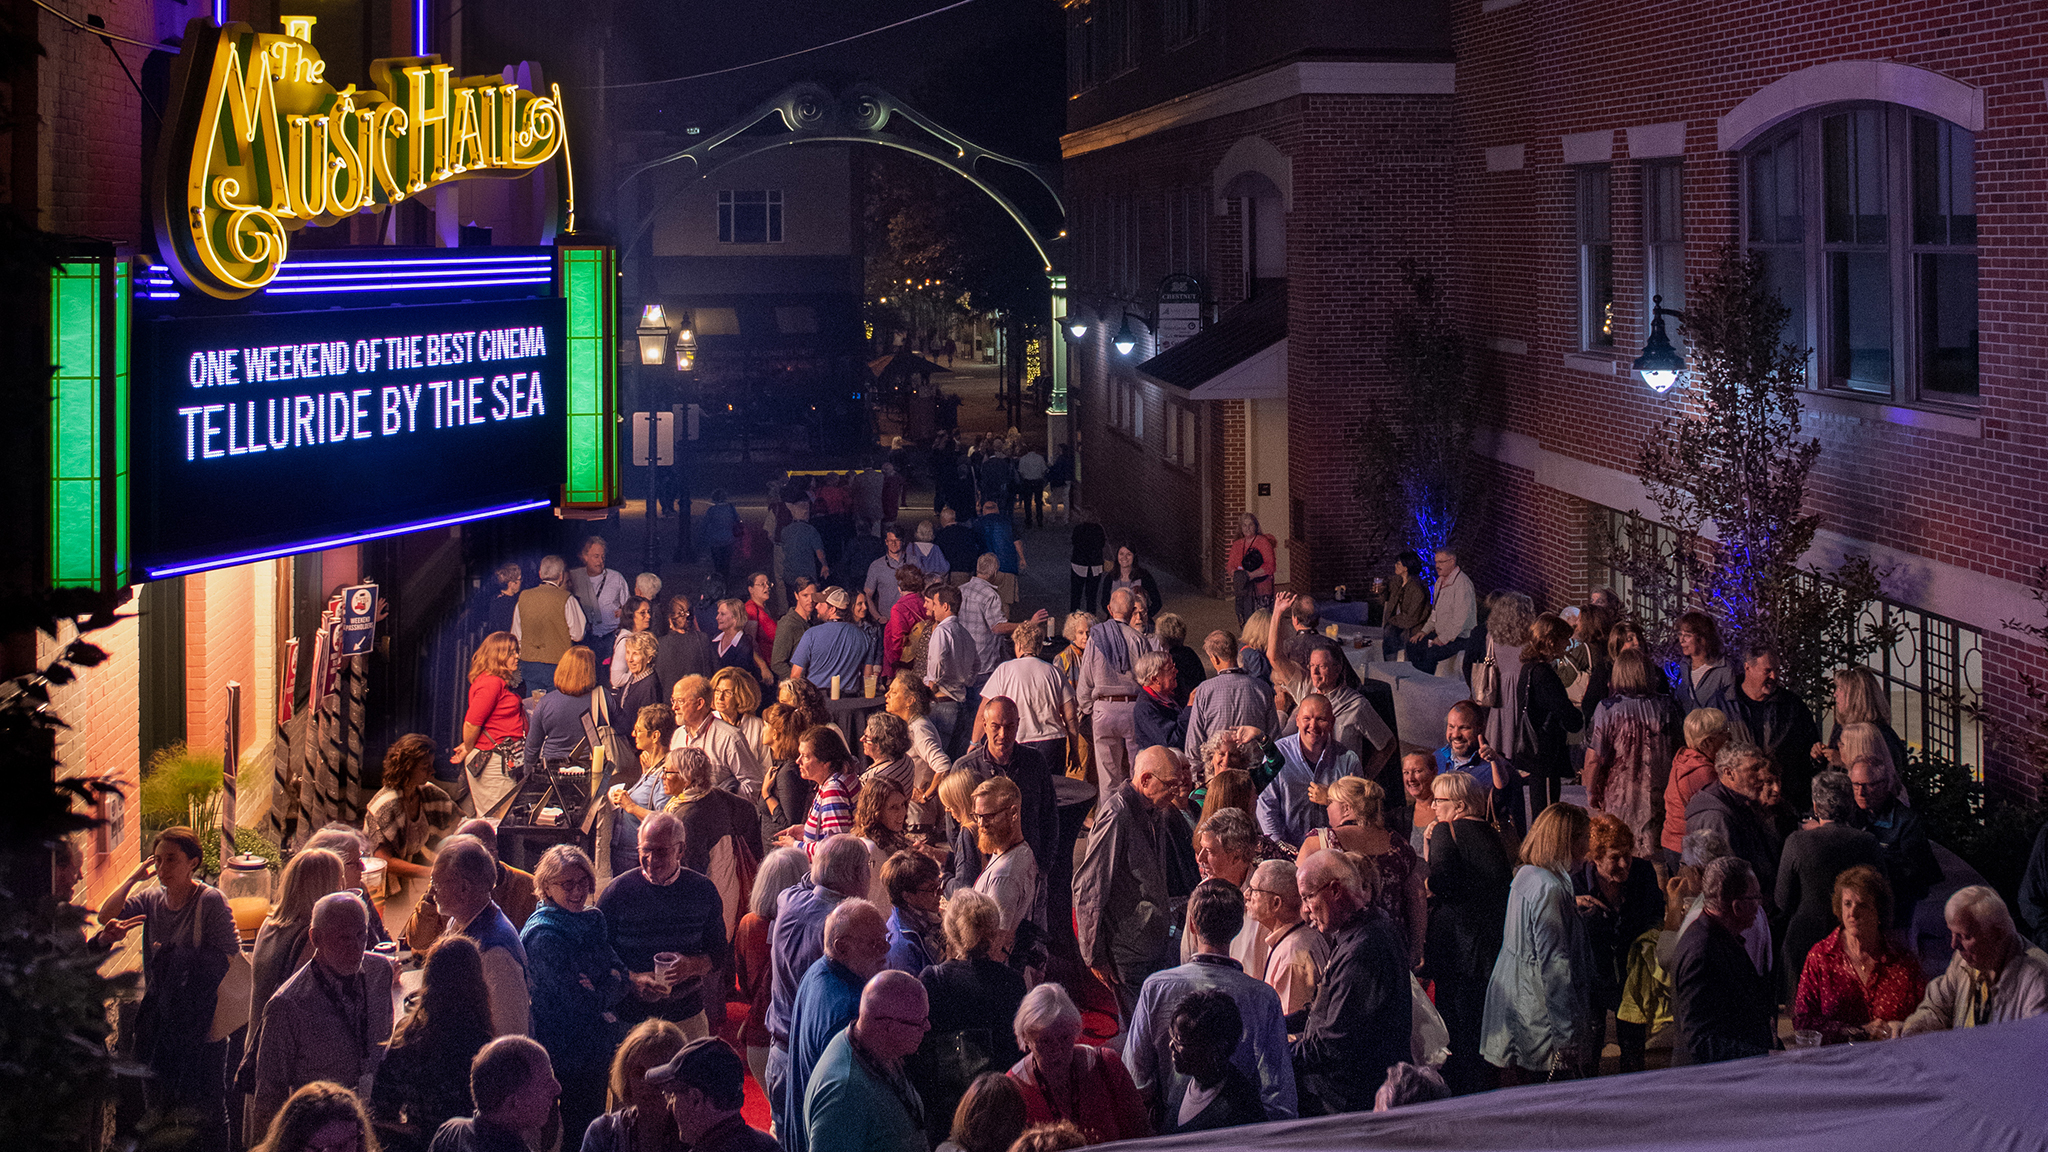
<point>1661,365</point>
<point>654,316</point>
<point>1125,338</point>
<point>1077,325</point>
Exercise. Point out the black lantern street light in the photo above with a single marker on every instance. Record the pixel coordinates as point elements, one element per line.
<point>1661,365</point>
<point>653,334</point>
<point>1125,338</point>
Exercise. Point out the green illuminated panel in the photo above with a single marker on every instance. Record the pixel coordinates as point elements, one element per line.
<point>586,280</point>
<point>89,345</point>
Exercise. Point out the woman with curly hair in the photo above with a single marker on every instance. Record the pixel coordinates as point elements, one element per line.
<point>886,743</point>
<point>424,1079</point>
<point>494,726</point>
<point>410,813</point>
<point>736,699</point>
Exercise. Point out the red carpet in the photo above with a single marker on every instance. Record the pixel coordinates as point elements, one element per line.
<point>756,1108</point>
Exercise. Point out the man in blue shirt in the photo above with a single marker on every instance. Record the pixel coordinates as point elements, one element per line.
<point>827,1000</point>
<point>999,535</point>
<point>1215,917</point>
<point>835,647</point>
<point>1460,753</point>
<point>1309,757</point>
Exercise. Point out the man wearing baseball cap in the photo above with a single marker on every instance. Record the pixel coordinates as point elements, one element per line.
<point>835,647</point>
<point>704,1088</point>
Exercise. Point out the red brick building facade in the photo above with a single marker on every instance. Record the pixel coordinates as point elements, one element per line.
<point>1576,159</point>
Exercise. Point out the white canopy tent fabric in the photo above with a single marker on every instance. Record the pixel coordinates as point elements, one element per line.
<point>1973,1090</point>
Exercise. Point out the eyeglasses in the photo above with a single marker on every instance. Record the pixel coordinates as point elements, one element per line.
<point>1318,890</point>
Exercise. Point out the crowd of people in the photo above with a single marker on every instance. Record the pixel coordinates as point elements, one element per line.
<point>935,872</point>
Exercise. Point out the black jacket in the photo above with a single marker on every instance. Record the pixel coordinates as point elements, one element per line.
<point>1236,1103</point>
<point>1783,727</point>
<point>1908,859</point>
<point>1548,716</point>
<point>1359,1023</point>
<point>1610,932</point>
<point>1725,1008</point>
<point>1469,876</point>
<point>1736,818</point>
<point>1157,721</point>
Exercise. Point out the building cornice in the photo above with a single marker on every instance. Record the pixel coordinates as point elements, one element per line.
<point>1308,77</point>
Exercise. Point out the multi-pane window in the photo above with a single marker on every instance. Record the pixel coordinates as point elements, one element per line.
<point>1595,187</point>
<point>1866,217</point>
<point>1187,231</point>
<point>1180,435</point>
<point>1102,42</point>
<point>1185,20</point>
<point>750,216</point>
<point>1127,408</point>
<point>1664,239</point>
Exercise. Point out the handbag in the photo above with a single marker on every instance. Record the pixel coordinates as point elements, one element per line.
<point>231,998</point>
<point>1429,1040</point>
<point>1486,680</point>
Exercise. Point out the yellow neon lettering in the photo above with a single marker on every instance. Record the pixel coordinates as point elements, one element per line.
<point>271,146</point>
<point>427,164</point>
<point>468,151</point>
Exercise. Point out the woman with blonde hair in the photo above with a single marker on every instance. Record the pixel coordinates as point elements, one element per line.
<point>636,616</point>
<point>1075,629</point>
<point>1539,1007</point>
<point>736,699</point>
<point>493,747</point>
<point>282,943</point>
<point>1358,825</point>
<point>973,993</point>
<point>909,700</point>
<point>1860,699</point>
<point>574,977</point>
<point>638,1118</point>
<point>1251,652</point>
<point>1470,870</point>
<point>1692,768</point>
<point>956,796</point>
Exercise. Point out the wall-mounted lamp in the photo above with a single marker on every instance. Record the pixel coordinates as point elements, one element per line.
<point>1661,365</point>
<point>1077,325</point>
<point>1125,338</point>
<point>686,346</point>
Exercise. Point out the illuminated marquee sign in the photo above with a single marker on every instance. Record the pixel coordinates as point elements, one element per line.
<point>267,434</point>
<point>258,143</point>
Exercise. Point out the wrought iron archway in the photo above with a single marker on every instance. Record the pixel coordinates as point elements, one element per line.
<point>862,114</point>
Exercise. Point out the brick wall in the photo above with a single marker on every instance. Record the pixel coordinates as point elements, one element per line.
<point>91,162</point>
<point>1534,72</point>
<point>1370,185</point>
<point>220,645</point>
<point>99,742</point>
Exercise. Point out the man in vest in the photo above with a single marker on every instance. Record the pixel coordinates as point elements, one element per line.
<point>546,622</point>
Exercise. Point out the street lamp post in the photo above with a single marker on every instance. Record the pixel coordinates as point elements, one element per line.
<point>1661,365</point>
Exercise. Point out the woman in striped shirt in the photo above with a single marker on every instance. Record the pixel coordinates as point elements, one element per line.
<point>822,759</point>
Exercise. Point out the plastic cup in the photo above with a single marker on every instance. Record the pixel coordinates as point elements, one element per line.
<point>1806,1038</point>
<point>835,687</point>
<point>665,965</point>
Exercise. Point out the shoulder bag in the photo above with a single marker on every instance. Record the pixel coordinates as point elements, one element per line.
<point>231,1005</point>
<point>1486,680</point>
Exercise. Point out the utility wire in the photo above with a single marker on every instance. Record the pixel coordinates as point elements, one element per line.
<point>102,33</point>
<point>107,39</point>
<point>785,55</point>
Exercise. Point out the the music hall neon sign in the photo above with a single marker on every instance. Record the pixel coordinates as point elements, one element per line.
<point>259,143</point>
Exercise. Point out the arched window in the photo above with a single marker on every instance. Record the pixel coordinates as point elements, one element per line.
<point>1866,217</point>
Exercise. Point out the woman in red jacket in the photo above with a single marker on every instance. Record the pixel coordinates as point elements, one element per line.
<point>1692,769</point>
<point>1065,1080</point>
<point>495,723</point>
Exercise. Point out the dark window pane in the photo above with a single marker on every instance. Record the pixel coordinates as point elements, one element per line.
<point>1661,204</point>
<point>1948,324</point>
<point>1944,198</point>
<point>1852,177</point>
<point>1860,320</point>
<point>1785,273</point>
<point>1600,295</point>
<point>1594,214</point>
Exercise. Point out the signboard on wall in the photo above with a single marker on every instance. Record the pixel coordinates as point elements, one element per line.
<point>1180,309</point>
<point>265,434</point>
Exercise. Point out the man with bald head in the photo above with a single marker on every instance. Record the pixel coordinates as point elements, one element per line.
<point>1127,893</point>
<point>858,1099</point>
<point>330,1020</point>
<point>1107,690</point>
<point>1001,754</point>
<point>464,873</point>
<point>839,872</point>
<point>512,892</point>
<point>828,999</point>
<point>1309,758</point>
